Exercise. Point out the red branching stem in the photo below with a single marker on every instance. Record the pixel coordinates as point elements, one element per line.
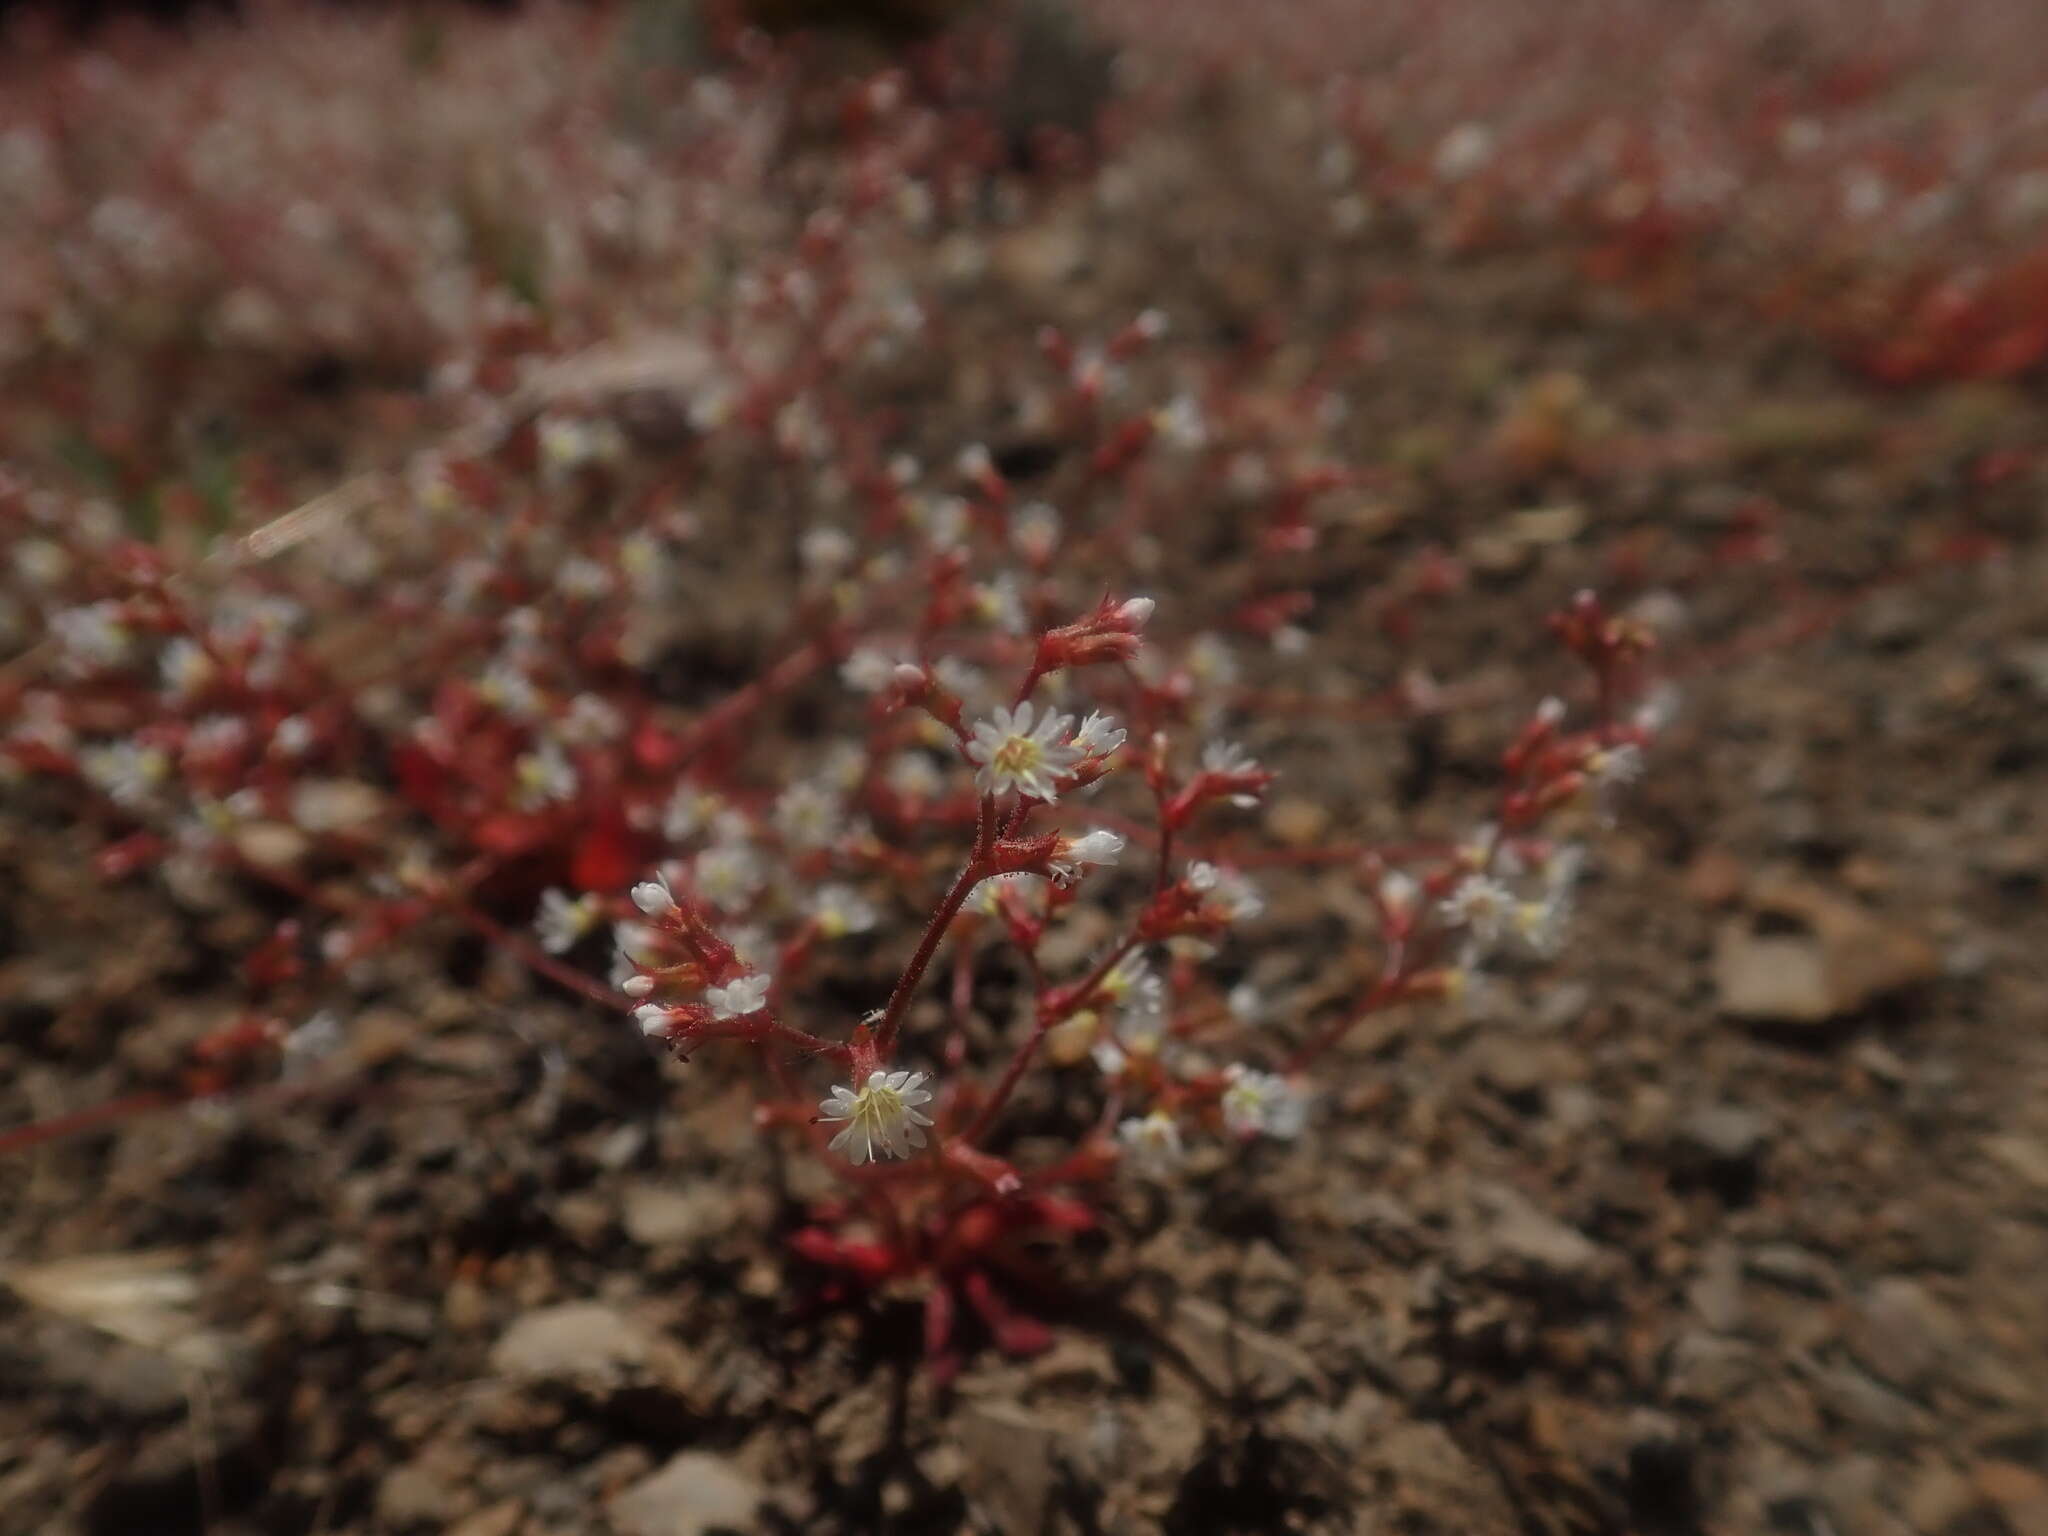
<point>36,1133</point>
<point>532,955</point>
<point>935,931</point>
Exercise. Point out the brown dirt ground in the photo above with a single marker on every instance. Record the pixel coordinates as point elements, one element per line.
<point>1596,1257</point>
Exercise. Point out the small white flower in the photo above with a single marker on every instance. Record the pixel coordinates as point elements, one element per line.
<point>739,997</point>
<point>583,579</point>
<point>1013,753</point>
<point>807,815</point>
<point>1398,891</point>
<point>1099,735</point>
<point>1151,1145</point>
<point>127,774</point>
<point>1211,662</point>
<point>915,776</point>
<point>294,734</point>
<point>1093,848</point>
<point>1246,1003</point>
<point>1228,758</point>
<point>826,551</point>
<point>1180,424</point>
<point>688,811</point>
<point>728,875</point>
<point>42,564</point>
<point>652,1018</point>
<point>1226,888</point>
<point>564,919</point>
<point>216,736</point>
<point>93,638</point>
<point>1035,531</point>
<point>186,668</point>
<point>1137,611</point>
<point>1482,906</point>
<point>653,898</point>
<point>1613,767</point>
<point>839,910</point>
<point>883,1118</point>
<point>868,669</point>
<point>1001,603</point>
<point>545,777</point>
<point>590,721</point>
<point>506,687</point>
<point>1265,1103</point>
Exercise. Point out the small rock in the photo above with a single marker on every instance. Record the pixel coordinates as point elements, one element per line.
<point>1856,1399</point>
<point>695,1494</point>
<point>2026,1156</point>
<point>1229,1354</point>
<point>1844,959</point>
<point>1707,1369</point>
<point>1794,1268</point>
<point>501,1519</point>
<point>1716,1292</point>
<point>1714,878</point>
<point>578,1340</point>
<point>1012,1462</point>
<point>1511,1239</point>
<point>1902,1334</point>
<point>2020,1493</point>
<point>1938,1498</point>
<point>659,1214</point>
<point>415,1495</point>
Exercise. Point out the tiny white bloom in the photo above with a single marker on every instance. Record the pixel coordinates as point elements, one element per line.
<point>544,777</point>
<point>1013,753</point>
<point>294,734</point>
<point>807,815</point>
<point>1035,531</point>
<point>564,919</point>
<point>583,579</point>
<point>507,688</point>
<point>728,875</point>
<point>1151,1145</point>
<point>883,1117</point>
<point>1481,905</point>
<point>127,774</point>
<point>687,812</point>
<point>839,910</point>
<point>1234,893</point>
<point>1246,1003</point>
<point>1210,661</point>
<point>1001,603</point>
<point>1093,848</point>
<point>590,721</point>
<point>826,551</point>
<point>1262,1103</point>
<point>914,776</point>
<point>739,997</point>
<point>1099,735</point>
<point>653,898</point>
<point>92,638</point>
<point>1398,891</point>
<point>868,669</point>
<point>652,1018</point>
<point>186,668</point>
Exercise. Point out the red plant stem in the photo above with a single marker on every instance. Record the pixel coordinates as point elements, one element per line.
<point>736,706</point>
<point>37,1132</point>
<point>1047,1017</point>
<point>934,931</point>
<point>535,958</point>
